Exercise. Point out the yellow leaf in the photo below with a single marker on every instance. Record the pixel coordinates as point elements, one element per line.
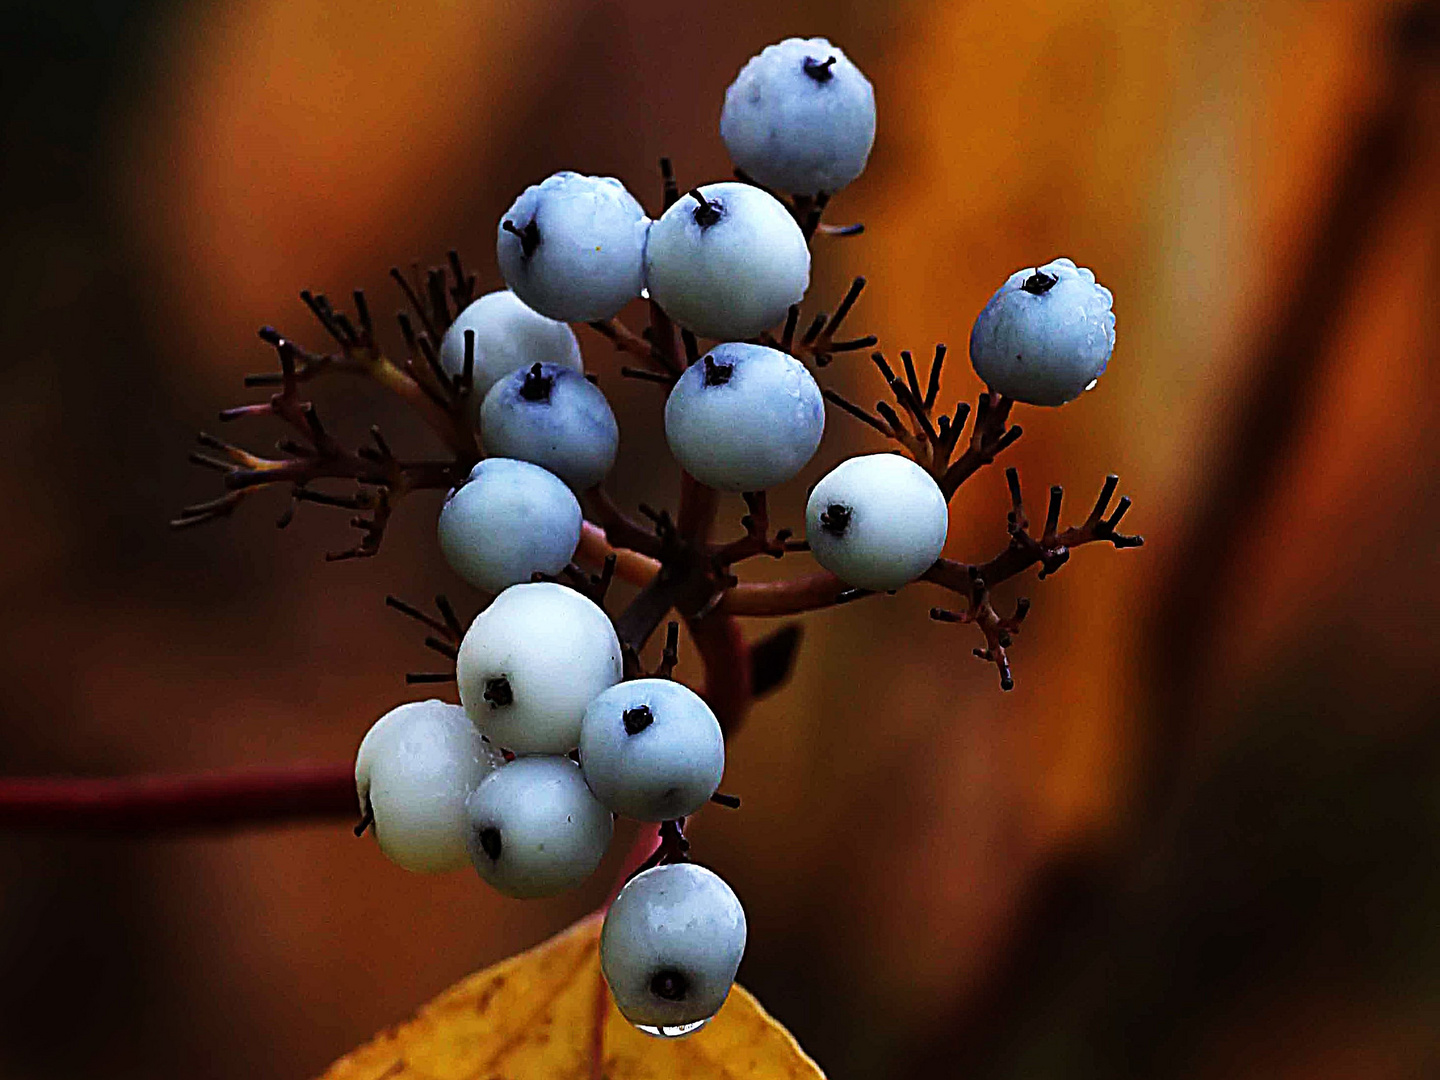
<point>535,1017</point>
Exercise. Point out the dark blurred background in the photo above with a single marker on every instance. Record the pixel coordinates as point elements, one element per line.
<point>1197,840</point>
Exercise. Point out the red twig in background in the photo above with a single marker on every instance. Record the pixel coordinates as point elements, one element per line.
<point>234,798</point>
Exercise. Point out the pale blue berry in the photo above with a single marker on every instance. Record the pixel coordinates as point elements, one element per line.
<point>651,749</point>
<point>534,829</point>
<point>413,772</point>
<point>727,262</point>
<point>531,662</point>
<point>508,335</point>
<point>744,418</point>
<point>1046,335</point>
<point>800,117</point>
<point>555,418</point>
<point>670,946</point>
<point>508,522</point>
<point>573,247</point>
<point>877,521</point>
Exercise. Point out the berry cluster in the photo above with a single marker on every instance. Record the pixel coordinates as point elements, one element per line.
<point>540,673</point>
<point>559,730</point>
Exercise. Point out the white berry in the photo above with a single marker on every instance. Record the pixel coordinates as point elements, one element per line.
<point>877,521</point>
<point>670,946</point>
<point>573,247</point>
<point>555,418</point>
<point>651,749</point>
<point>744,418</point>
<point>535,829</point>
<point>728,264</point>
<point>531,662</point>
<point>415,768</point>
<point>1046,335</point>
<point>800,117</point>
<point>508,336</point>
<point>508,522</point>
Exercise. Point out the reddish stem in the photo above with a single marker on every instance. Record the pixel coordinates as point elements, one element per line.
<point>211,800</point>
<point>788,596</point>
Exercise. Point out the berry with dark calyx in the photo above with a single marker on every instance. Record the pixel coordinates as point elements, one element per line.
<point>413,772</point>
<point>531,662</point>
<point>822,71</point>
<point>747,417</point>
<point>835,519</point>
<point>727,261</point>
<point>635,719</point>
<point>1039,283</point>
<point>1046,335</point>
<point>651,749</point>
<point>800,118</point>
<point>537,384</point>
<point>717,373</point>
<point>508,522</point>
<point>877,521</point>
<point>555,418</point>
<point>670,946</point>
<point>528,235</point>
<point>535,829</point>
<point>498,694</point>
<point>508,335</point>
<point>573,247</point>
<point>706,213</point>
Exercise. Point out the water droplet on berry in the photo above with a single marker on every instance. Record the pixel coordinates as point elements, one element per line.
<point>673,1031</point>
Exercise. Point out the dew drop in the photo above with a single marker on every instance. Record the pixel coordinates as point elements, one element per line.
<point>673,1031</point>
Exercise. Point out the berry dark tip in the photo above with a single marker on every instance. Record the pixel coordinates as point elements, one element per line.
<point>529,235</point>
<point>537,384</point>
<point>367,820</point>
<point>489,838</point>
<point>707,213</point>
<point>835,519</point>
<point>1039,283</point>
<point>498,692</point>
<point>637,719</point>
<point>717,374</point>
<point>669,984</point>
<point>819,70</point>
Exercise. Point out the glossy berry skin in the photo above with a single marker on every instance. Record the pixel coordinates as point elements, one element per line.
<point>1046,335</point>
<point>508,336</point>
<point>730,266</point>
<point>651,749</point>
<point>509,521</point>
<point>534,829</point>
<point>531,662</point>
<point>415,768</point>
<point>800,118</point>
<point>877,521</point>
<point>670,946</point>
<point>744,418</point>
<point>573,247</point>
<point>555,418</point>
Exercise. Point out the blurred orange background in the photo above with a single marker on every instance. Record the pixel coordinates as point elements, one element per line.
<point>1198,839</point>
